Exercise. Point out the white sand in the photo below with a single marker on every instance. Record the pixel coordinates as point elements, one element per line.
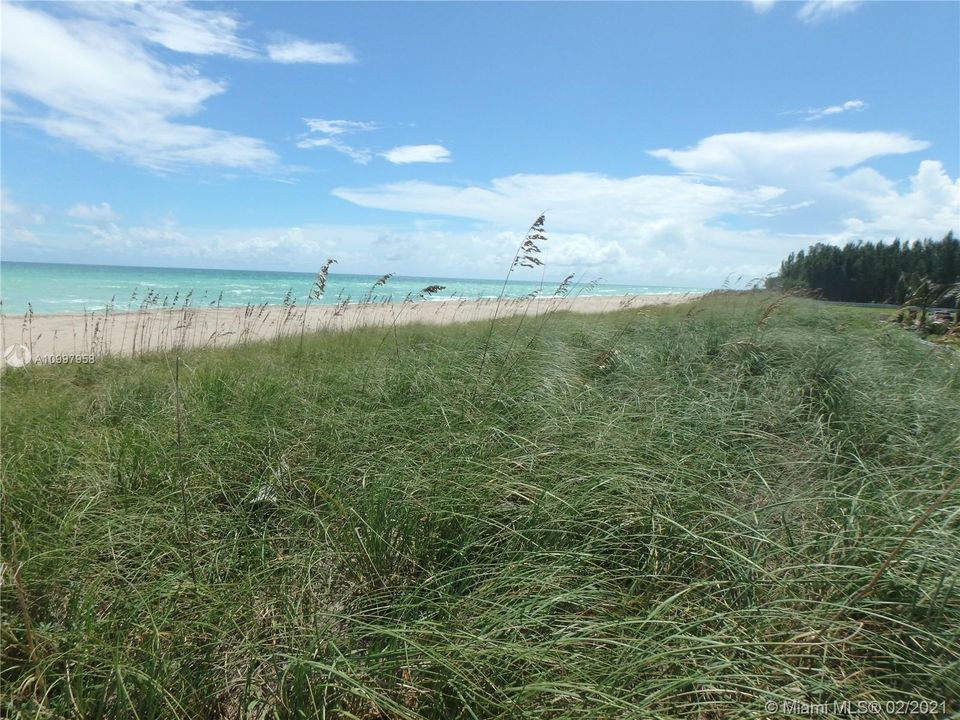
<point>126,333</point>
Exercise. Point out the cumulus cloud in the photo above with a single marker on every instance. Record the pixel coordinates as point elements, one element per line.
<point>83,211</point>
<point>667,229</point>
<point>102,89</point>
<point>740,202</point>
<point>731,204</point>
<point>644,226</point>
<point>304,51</point>
<point>928,208</point>
<point>787,153</point>
<point>417,154</point>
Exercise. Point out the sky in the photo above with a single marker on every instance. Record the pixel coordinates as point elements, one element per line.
<point>667,143</point>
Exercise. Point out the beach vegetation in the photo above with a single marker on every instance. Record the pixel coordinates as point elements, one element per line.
<point>683,511</point>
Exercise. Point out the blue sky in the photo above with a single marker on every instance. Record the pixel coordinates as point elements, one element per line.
<point>673,143</point>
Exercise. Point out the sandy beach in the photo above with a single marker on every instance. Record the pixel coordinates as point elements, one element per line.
<point>85,337</point>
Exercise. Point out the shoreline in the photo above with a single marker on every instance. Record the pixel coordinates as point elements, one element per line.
<point>102,333</point>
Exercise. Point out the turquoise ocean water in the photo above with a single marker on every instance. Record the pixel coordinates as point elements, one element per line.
<point>55,288</point>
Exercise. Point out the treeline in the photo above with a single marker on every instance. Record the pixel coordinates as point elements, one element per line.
<point>872,272</point>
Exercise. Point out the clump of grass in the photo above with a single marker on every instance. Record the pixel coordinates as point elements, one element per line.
<point>525,256</point>
<point>563,289</point>
<point>317,291</point>
<point>632,523</point>
<point>425,293</point>
<point>380,282</point>
<point>429,291</point>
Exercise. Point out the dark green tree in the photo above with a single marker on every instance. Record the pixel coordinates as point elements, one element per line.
<point>872,272</point>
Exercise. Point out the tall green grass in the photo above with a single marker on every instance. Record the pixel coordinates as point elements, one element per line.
<point>656,513</point>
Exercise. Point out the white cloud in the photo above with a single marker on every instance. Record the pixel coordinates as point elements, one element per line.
<point>583,251</point>
<point>185,29</point>
<point>303,51</point>
<point>845,107</point>
<point>417,154</point>
<point>164,234</point>
<point>579,201</point>
<point>786,154</point>
<point>356,154</point>
<point>665,229</point>
<point>13,213</point>
<point>762,6</point>
<point>338,127</point>
<point>83,211</point>
<point>7,205</point>
<point>929,208</point>
<point>775,210</point>
<point>848,106</point>
<point>104,91</point>
<point>108,235</point>
<point>102,224</point>
<point>176,26</point>
<point>744,200</point>
<point>331,131</point>
<point>82,68</point>
<point>16,221</point>
<point>7,105</point>
<point>649,226</point>
<point>812,11</point>
<point>733,204</point>
<point>816,11</point>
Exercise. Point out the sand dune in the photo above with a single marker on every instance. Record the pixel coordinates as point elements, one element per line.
<point>105,333</point>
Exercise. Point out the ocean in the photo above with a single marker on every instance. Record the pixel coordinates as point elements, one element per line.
<point>61,288</point>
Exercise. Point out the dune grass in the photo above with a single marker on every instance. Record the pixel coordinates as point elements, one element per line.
<point>656,513</point>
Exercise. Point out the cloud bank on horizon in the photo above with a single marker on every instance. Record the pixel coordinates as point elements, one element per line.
<point>171,113</point>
